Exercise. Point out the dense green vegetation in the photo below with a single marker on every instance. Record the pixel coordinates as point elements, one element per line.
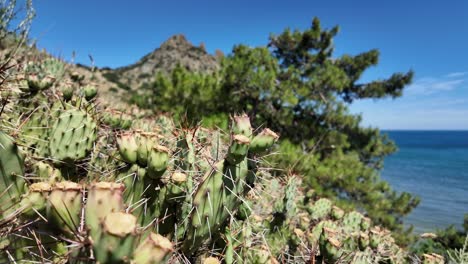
<point>298,88</point>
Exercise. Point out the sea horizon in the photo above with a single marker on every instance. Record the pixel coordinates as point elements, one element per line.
<point>432,165</point>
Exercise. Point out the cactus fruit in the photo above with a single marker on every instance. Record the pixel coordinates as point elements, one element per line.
<point>176,185</point>
<point>365,223</point>
<point>128,147</point>
<point>38,83</point>
<point>331,249</point>
<point>76,77</point>
<point>72,136</point>
<point>145,142</point>
<point>67,91</point>
<point>90,91</point>
<point>337,213</point>
<point>154,249</point>
<point>46,172</point>
<point>363,240</point>
<point>158,160</point>
<point>241,126</point>
<point>211,260</point>
<point>433,259</point>
<point>374,238</point>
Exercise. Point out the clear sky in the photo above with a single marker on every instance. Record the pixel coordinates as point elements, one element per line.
<point>430,37</point>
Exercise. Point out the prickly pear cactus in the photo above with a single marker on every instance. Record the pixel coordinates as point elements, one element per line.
<point>121,194</point>
<point>82,183</point>
<point>42,75</point>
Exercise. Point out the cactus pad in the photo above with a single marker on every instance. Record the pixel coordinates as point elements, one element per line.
<point>72,136</point>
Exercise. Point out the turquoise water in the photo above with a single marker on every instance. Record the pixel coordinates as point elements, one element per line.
<point>434,166</point>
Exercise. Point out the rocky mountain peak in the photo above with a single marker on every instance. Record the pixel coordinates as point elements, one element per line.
<point>176,42</point>
<point>175,50</point>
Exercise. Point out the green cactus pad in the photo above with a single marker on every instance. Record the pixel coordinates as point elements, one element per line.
<point>352,221</point>
<point>103,198</point>
<point>35,201</point>
<point>72,136</point>
<point>117,241</point>
<point>238,149</point>
<point>12,183</point>
<point>320,209</point>
<point>64,206</point>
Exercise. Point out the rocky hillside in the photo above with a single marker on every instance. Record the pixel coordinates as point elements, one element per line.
<point>113,84</point>
<point>176,50</point>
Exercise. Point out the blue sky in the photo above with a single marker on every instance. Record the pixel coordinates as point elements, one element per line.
<point>430,37</point>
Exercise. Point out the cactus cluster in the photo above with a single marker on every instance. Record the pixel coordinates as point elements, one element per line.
<point>42,75</point>
<point>86,183</point>
<point>301,229</point>
<point>80,183</point>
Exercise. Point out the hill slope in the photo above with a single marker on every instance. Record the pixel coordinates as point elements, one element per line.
<point>176,50</point>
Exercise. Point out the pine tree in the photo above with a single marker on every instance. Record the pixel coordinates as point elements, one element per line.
<point>299,89</point>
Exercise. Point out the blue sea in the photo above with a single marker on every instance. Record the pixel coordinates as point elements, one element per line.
<point>434,166</point>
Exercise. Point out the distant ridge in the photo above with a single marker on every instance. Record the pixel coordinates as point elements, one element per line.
<point>175,50</point>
